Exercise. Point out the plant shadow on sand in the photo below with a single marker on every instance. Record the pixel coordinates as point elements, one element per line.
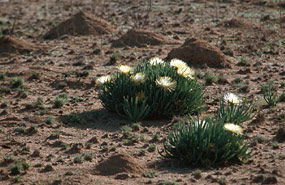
<point>178,167</point>
<point>102,119</point>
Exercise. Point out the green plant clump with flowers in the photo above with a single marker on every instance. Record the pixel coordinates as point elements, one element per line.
<point>234,110</point>
<point>153,88</point>
<point>206,142</point>
<point>211,141</point>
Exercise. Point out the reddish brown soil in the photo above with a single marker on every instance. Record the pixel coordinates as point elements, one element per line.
<point>141,38</point>
<point>119,163</point>
<point>239,23</point>
<point>200,53</point>
<point>12,45</point>
<point>84,135</point>
<point>81,24</point>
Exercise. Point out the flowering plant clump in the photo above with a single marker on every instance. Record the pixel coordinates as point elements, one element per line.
<point>234,110</point>
<point>206,142</point>
<point>153,88</point>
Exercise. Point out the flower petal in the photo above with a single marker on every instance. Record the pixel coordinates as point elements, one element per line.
<point>166,83</point>
<point>233,128</point>
<point>155,60</point>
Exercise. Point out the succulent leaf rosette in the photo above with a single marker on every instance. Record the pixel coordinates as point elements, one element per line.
<point>234,110</point>
<point>152,88</point>
<point>206,142</point>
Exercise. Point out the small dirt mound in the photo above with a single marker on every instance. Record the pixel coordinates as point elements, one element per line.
<point>81,24</point>
<point>14,45</point>
<point>141,38</point>
<point>238,23</point>
<point>199,53</point>
<point>120,163</point>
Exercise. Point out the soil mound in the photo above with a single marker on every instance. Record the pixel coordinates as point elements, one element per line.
<point>14,45</point>
<point>120,163</point>
<point>198,53</point>
<point>140,38</point>
<point>238,23</point>
<point>81,24</point>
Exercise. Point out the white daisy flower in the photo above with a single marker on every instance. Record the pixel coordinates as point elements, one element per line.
<point>177,63</point>
<point>103,79</point>
<point>138,78</point>
<point>166,83</point>
<point>155,60</point>
<point>125,69</point>
<point>233,128</point>
<point>232,98</point>
<point>186,72</point>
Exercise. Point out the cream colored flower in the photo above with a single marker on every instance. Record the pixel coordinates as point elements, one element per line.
<point>232,98</point>
<point>103,79</point>
<point>178,63</point>
<point>233,128</point>
<point>138,78</point>
<point>166,83</point>
<point>186,72</point>
<point>125,69</point>
<point>155,60</point>
<point>140,95</point>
